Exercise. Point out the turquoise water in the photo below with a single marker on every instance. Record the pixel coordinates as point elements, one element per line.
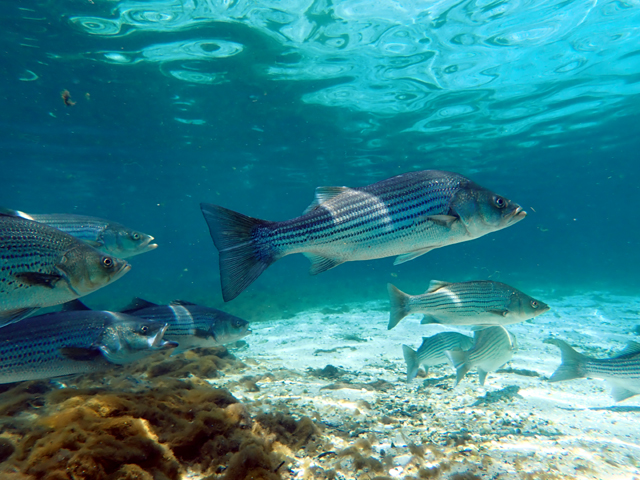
<point>251,105</point>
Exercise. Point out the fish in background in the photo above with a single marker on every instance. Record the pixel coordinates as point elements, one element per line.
<point>105,235</point>
<point>74,342</point>
<point>432,351</point>
<point>621,372</point>
<point>407,215</point>
<point>466,303</point>
<point>191,325</point>
<point>492,348</point>
<point>41,266</point>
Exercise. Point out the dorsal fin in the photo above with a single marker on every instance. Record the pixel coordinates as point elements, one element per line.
<point>632,348</point>
<point>435,285</point>
<point>74,306</point>
<point>7,212</point>
<point>323,194</point>
<point>138,304</point>
<point>182,303</point>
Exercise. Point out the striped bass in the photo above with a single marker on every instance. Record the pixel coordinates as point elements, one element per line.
<point>622,372</point>
<point>465,303</point>
<point>407,215</point>
<point>104,235</point>
<point>191,325</point>
<point>492,348</point>
<point>65,343</point>
<point>432,351</point>
<point>42,266</point>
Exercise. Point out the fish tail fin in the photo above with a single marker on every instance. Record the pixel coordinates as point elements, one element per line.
<point>459,361</point>
<point>242,259</point>
<point>572,362</point>
<point>399,305</point>
<point>411,357</point>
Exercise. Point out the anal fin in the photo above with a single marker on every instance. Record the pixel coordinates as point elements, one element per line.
<point>321,264</point>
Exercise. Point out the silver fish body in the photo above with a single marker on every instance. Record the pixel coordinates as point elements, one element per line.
<point>42,266</point>
<point>621,372</point>
<point>407,215</point>
<point>104,235</point>
<point>492,348</point>
<point>465,303</point>
<point>192,326</point>
<point>432,351</point>
<point>66,343</point>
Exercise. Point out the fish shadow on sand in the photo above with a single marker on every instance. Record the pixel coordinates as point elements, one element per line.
<point>612,408</point>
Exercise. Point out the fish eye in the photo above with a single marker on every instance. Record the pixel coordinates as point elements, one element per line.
<point>107,262</point>
<point>136,236</point>
<point>534,304</point>
<point>144,329</point>
<point>499,202</point>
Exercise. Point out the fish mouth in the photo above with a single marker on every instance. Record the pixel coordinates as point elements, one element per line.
<point>158,342</point>
<point>517,215</point>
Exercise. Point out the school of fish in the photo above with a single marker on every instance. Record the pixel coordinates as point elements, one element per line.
<point>53,259</point>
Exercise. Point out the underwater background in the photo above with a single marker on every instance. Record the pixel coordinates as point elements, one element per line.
<point>251,105</point>
<point>137,112</point>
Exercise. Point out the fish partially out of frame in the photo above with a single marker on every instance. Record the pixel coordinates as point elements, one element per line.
<point>621,372</point>
<point>68,343</point>
<point>104,235</point>
<point>41,266</point>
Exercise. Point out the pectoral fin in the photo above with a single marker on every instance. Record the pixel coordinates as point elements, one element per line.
<point>321,264</point>
<point>80,354</point>
<point>37,279</point>
<point>501,313</point>
<point>442,220</point>
<point>411,255</point>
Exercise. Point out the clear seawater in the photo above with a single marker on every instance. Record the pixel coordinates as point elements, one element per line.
<point>253,104</point>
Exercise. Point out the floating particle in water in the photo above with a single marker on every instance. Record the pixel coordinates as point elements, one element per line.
<point>66,98</point>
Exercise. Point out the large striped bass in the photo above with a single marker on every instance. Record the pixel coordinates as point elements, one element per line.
<point>481,302</point>
<point>492,348</point>
<point>41,266</point>
<point>105,235</point>
<point>65,343</point>
<point>407,215</point>
<point>622,372</point>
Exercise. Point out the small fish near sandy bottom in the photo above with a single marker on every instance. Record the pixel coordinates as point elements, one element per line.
<point>479,302</point>
<point>432,351</point>
<point>621,372</point>
<point>75,342</point>
<point>404,216</point>
<point>41,266</point>
<point>492,348</point>
<point>109,237</point>
<point>191,325</point>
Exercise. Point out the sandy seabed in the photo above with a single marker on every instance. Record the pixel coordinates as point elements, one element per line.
<point>518,425</point>
<point>323,395</point>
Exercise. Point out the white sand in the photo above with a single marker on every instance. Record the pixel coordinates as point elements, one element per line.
<point>570,429</point>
